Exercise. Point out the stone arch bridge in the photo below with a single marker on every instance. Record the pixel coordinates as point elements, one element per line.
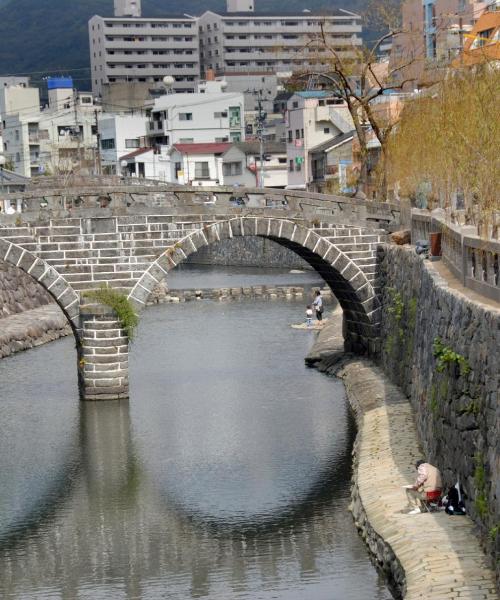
<point>133,249</point>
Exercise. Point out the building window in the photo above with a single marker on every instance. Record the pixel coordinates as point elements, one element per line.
<point>134,143</point>
<point>298,166</point>
<point>201,170</point>
<point>326,130</point>
<point>108,144</point>
<point>297,134</point>
<point>282,160</point>
<point>295,105</point>
<point>220,115</point>
<point>302,133</point>
<point>290,135</point>
<point>185,116</point>
<point>232,169</point>
<point>178,168</point>
<point>290,165</point>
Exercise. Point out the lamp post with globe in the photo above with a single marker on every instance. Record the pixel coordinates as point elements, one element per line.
<point>124,165</point>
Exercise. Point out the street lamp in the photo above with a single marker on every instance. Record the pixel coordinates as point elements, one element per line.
<point>124,165</point>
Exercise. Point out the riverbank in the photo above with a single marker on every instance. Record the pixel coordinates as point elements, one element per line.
<point>32,328</point>
<point>424,556</point>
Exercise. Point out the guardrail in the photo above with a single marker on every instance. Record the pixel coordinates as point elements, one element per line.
<point>474,260</point>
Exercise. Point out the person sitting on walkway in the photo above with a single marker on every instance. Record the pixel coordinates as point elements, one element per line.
<point>427,487</point>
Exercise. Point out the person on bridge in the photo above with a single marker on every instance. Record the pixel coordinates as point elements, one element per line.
<point>318,307</point>
<point>427,487</point>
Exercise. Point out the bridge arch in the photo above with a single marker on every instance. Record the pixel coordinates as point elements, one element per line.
<point>347,281</point>
<point>49,278</point>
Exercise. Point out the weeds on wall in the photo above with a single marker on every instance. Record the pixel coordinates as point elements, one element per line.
<point>446,356</point>
<point>120,304</point>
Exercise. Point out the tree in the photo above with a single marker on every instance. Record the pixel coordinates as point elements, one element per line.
<point>447,140</point>
<point>355,75</point>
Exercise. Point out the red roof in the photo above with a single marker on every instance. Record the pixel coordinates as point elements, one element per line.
<point>208,148</point>
<point>135,153</point>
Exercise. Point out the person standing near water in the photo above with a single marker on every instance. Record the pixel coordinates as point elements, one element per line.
<point>318,307</point>
<point>309,316</point>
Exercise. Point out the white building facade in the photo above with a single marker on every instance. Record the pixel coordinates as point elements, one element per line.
<point>120,135</point>
<point>61,138</point>
<point>313,117</point>
<point>209,116</point>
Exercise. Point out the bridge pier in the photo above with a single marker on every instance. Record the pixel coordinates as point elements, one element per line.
<point>102,355</point>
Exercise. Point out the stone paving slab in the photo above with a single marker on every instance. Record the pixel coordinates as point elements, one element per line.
<point>32,328</point>
<point>439,554</point>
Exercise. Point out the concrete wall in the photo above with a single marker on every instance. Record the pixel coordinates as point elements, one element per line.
<point>456,405</point>
<point>19,292</point>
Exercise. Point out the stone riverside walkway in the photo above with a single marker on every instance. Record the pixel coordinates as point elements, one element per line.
<point>439,554</point>
<point>32,328</point>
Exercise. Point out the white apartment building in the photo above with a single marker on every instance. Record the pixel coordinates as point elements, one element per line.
<point>313,117</point>
<point>120,135</point>
<point>128,47</point>
<point>243,41</point>
<point>60,138</point>
<point>210,115</point>
<point>14,97</point>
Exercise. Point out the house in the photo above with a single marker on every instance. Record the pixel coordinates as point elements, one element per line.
<point>120,135</point>
<point>198,164</point>
<point>275,164</point>
<point>142,162</point>
<point>330,163</point>
<point>313,117</point>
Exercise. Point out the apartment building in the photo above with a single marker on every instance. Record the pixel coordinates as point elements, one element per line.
<point>313,117</point>
<point>59,138</point>
<point>130,48</point>
<point>433,35</point>
<point>248,42</point>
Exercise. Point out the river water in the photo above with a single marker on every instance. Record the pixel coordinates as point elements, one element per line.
<point>226,475</point>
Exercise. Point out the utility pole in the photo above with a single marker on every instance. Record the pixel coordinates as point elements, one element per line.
<point>98,147</point>
<point>261,118</point>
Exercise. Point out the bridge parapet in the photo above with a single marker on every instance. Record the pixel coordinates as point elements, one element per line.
<point>43,204</point>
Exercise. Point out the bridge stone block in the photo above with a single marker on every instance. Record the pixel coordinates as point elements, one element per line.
<point>286,229</point>
<point>263,226</point>
<point>148,282</point>
<point>15,254</point>
<point>364,293</point>
<point>300,235</point>
<point>275,228</point>
<point>236,227</point>
<point>4,248</point>
<point>164,262</point>
<point>48,277</point>
<point>157,272</point>
<point>341,262</point>
<point>27,261</point>
<point>358,280</point>
<point>249,225</point>
<point>198,238</point>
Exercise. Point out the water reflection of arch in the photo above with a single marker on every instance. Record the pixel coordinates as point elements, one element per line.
<point>114,518</point>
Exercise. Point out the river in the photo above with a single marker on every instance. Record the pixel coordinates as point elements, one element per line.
<point>226,476</point>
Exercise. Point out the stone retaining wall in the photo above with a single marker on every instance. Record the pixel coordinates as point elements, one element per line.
<point>249,252</point>
<point>443,350</point>
<point>32,328</point>
<point>18,291</point>
<point>424,556</point>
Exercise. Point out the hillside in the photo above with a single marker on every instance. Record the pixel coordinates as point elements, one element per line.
<point>50,36</point>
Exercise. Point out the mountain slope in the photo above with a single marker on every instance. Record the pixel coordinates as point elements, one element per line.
<point>51,37</point>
